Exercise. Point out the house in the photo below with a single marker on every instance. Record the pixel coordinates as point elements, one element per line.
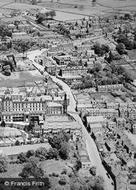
<point>56,123</point>
<point>106,113</point>
<point>91,120</point>
<point>20,35</point>
<point>84,157</point>
<point>86,164</point>
<point>96,128</point>
<point>107,88</point>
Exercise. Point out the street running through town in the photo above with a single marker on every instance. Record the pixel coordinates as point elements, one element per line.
<point>90,144</point>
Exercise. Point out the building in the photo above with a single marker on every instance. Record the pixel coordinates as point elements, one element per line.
<point>109,88</point>
<point>96,119</point>
<point>56,123</point>
<point>96,128</point>
<point>76,70</point>
<point>112,105</point>
<point>106,113</point>
<point>84,157</point>
<point>18,108</point>
<point>95,123</point>
<point>86,164</point>
<point>20,35</point>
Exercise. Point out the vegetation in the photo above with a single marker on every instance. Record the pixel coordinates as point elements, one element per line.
<point>22,158</point>
<point>121,49</point>
<point>30,153</point>
<point>4,31</point>
<point>78,165</point>
<point>3,164</point>
<point>93,170</point>
<point>40,17</point>
<point>32,169</point>
<point>7,67</point>
<point>41,153</point>
<point>101,49</point>
<point>53,153</point>
<point>123,39</point>
<point>60,143</point>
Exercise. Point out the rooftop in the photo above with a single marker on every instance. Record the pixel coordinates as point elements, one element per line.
<point>61,125</point>
<point>96,125</point>
<point>95,119</point>
<point>54,104</point>
<point>7,131</point>
<point>60,118</point>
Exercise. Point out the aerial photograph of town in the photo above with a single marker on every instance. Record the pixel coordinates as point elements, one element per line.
<point>67,94</point>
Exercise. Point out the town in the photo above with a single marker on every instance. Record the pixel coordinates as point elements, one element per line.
<point>67,96</point>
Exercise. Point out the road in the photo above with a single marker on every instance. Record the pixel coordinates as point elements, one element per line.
<point>90,144</point>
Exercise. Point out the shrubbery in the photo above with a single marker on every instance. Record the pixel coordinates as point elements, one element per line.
<point>3,164</point>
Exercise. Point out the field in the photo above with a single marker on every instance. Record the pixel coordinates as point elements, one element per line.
<point>13,171</point>
<point>74,9</point>
<point>88,8</point>
<point>51,166</point>
<point>19,78</point>
<point>48,166</point>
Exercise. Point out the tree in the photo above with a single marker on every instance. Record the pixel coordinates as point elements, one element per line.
<point>129,44</point>
<point>52,13</point>
<point>41,153</point>
<point>64,150</point>
<point>3,164</point>
<point>97,48</point>
<point>99,183</point>
<point>64,136</point>
<point>3,124</point>
<point>62,180</point>
<point>17,143</point>
<point>22,158</point>
<point>55,142</point>
<point>52,153</point>
<point>77,165</point>
<point>121,48</point>
<point>127,16</point>
<point>97,67</point>
<point>105,48</point>
<point>60,72</point>
<point>30,127</point>
<point>4,31</point>
<point>34,2</point>
<point>31,169</point>
<point>93,170</point>
<point>30,153</point>
<point>40,17</point>
<point>24,46</point>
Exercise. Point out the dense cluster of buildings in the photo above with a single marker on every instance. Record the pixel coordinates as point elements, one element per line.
<point>111,123</point>
<point>30,106</point>
<point>69,55</point>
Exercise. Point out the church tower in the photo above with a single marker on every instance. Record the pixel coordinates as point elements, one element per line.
<point>65,104</point>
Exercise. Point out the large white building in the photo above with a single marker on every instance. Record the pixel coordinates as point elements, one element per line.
<point>30,108</point>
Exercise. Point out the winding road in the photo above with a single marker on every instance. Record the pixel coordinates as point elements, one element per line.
<point>90,144</point>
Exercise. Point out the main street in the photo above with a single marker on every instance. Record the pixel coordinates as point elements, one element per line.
<point>90,144</point>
